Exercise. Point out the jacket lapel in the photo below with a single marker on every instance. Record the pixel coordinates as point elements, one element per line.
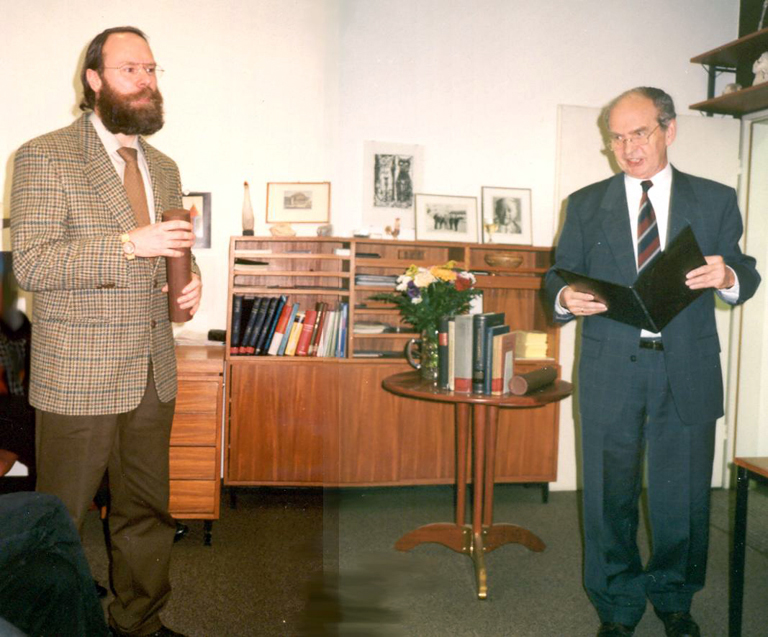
<point>102,175</point>
<point>618,231</point>
<point>681,205</point>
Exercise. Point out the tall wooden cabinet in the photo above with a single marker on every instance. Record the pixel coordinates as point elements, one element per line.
<point>327,421</point>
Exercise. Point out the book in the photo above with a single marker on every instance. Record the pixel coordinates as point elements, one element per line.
<point>270,323</point>
<point>491,334</point>
<point>258,325</point>
<point>480,324</point>
<point>530,344</point>
<point>280,327</point>
<point>326,335</point>
<point>322,310</point>
<point>442,352</point>
<point>302,347</point>
<point>237,312</point>
<point>659,293</point>
<point>503,363</point>
<point>341,348</point>
<point>451,353</point>
<point>463,354</point>
<point>288,327</point>
<point>254,311</point>
<point>296,330</point>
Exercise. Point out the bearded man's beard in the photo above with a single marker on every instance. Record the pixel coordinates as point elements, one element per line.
<point>121,115</point>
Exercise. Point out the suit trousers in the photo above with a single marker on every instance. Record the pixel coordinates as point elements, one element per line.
<point>72,455</point>
<point>679,472</point>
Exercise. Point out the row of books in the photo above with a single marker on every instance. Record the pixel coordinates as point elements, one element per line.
<point>476,352</point>
<point>273,326</point>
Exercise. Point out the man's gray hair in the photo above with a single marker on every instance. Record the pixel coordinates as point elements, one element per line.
<point>661,100</point>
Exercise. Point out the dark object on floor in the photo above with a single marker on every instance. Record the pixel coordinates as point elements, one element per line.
<point>181,531</point>
<point>163,632</point>
<point>609,629</point>
<point>679,624</point>
<point>46,586</point>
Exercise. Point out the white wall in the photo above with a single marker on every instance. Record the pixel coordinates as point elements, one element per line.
<point>289,90</point>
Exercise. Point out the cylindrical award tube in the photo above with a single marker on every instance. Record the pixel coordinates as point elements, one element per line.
<point>178,272</point>
<point>538,378</point>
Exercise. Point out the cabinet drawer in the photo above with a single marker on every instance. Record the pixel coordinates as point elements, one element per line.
<point>197,396</point>
<point>190,463</point>
<point>194,429</point>
<point>193,496</point>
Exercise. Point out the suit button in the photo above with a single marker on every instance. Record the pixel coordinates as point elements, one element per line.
<point>633,358</point>
<point>152,323</point>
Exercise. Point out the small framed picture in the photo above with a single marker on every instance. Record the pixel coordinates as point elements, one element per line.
<point>199,204</point>
<point>299,202</point>
<point>446,218</point>
<point>507,215</point>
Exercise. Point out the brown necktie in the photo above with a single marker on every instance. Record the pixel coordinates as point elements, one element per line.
<point>134,186</point>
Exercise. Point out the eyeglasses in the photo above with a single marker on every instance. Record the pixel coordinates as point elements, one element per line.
<point>132,70</point>
<point>636,139</point>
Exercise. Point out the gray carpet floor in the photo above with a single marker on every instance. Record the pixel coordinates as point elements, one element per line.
<point>310,562</point>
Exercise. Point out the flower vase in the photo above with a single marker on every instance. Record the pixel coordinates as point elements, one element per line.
<point>427,363</point>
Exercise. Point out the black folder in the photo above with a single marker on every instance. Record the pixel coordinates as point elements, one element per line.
<point>659,293</point>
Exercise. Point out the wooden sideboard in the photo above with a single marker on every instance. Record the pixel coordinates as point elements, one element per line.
<point>306,421</point>
<point>195,454</point>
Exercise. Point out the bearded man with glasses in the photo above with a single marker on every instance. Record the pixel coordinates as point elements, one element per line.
<point>644,394</point>
<point>86,223</point>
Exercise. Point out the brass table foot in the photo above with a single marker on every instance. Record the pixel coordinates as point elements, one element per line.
<point>478,559</point>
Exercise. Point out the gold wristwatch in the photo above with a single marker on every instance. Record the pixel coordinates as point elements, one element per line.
<point>129,249</point>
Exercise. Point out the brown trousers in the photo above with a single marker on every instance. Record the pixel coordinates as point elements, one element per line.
<point>72,455</point>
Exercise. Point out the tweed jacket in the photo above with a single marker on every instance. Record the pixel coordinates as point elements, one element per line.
<point>597,240</point>
<point>97,318</point>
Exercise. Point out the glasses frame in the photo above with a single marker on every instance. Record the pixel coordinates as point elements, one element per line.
<point>156,71</point>
<point>635,139</point>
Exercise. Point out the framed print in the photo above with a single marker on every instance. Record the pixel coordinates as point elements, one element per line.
<point>299,202</point>
<point>201,221</point>
<point>392,174</point>
<point>446,218</point>
<point>507,215</point>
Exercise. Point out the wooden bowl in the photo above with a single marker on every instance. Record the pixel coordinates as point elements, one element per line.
<point>500,260</point>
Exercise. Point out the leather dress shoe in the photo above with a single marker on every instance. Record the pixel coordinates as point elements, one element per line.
<point>679,624</point>
<point>163,632</point>
<point>611,629</point>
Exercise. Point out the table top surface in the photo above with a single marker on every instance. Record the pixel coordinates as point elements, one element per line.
<point>411,384</point>
<point>756,465</point>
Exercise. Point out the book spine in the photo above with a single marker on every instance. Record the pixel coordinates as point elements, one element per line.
<point>341,349</point>
<point>257,326</point>
<point>271,325</point>
<point>243,349</point>
<point>478,340</point>
<point>293,339</point>
<point>442,352</point>
<point>317,330</point>
<point>302,347</point>
<point>280,327</point>
<point>488,362</point>
<point>463,378</point>
<point>269,314</point>
<point>451,354</point>
<point>237,312</point>
<point>288,328</point>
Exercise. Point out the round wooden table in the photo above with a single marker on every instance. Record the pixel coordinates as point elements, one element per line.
<point>482,536</point>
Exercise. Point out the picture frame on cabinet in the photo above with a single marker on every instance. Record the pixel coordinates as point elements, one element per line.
<point>446,218</point>
<point>392,174</point>
<point>299,202</point>
<point>201,221</point>
<point>506,215</point>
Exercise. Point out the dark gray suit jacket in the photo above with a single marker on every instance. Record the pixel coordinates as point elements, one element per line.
<point>597,241</point>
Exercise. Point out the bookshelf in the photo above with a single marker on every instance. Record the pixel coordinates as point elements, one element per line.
<point>326,421</point>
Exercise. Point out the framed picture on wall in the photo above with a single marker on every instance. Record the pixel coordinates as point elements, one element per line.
<point>392,174</point>
<point>199,203</point>
<point>299,202</point>
<point>507,215</point>
<point>446,218</point>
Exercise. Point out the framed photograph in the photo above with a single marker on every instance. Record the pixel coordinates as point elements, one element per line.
<point>199,203</point>
<point>507,215</point>
<point>299,202</point>
<point>392,175</point>
<point>446,218</point>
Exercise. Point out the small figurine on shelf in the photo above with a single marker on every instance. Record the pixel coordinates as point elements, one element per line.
<point>282,230</point>
<point>394,231</point>
<point>247,211</point>
<point>326,230</point>
<point>490,228</point>
<point>760,69</point>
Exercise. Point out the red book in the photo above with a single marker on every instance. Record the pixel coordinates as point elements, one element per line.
<point>302,347</point>
<point>280,328</point>
<point>321,309</point>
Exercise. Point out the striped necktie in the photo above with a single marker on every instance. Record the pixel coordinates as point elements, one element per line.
<point>134,186</point>
<point>648,244</point>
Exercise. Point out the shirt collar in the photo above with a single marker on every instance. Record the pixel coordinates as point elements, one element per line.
<point>661,180</point>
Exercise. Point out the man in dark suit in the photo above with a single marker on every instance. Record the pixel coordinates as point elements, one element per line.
<point>648,394</point>
<point>87,231</point>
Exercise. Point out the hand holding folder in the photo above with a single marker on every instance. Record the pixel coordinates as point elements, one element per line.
<point>659,293</point>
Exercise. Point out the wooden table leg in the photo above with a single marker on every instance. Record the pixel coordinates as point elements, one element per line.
<point>462,431</point>
<point>736,600</point>
<point>491,425</point>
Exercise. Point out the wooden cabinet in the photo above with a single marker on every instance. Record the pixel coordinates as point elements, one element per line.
<point>730,57</point>
<point>294,420</point>
<point>195,454</point>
